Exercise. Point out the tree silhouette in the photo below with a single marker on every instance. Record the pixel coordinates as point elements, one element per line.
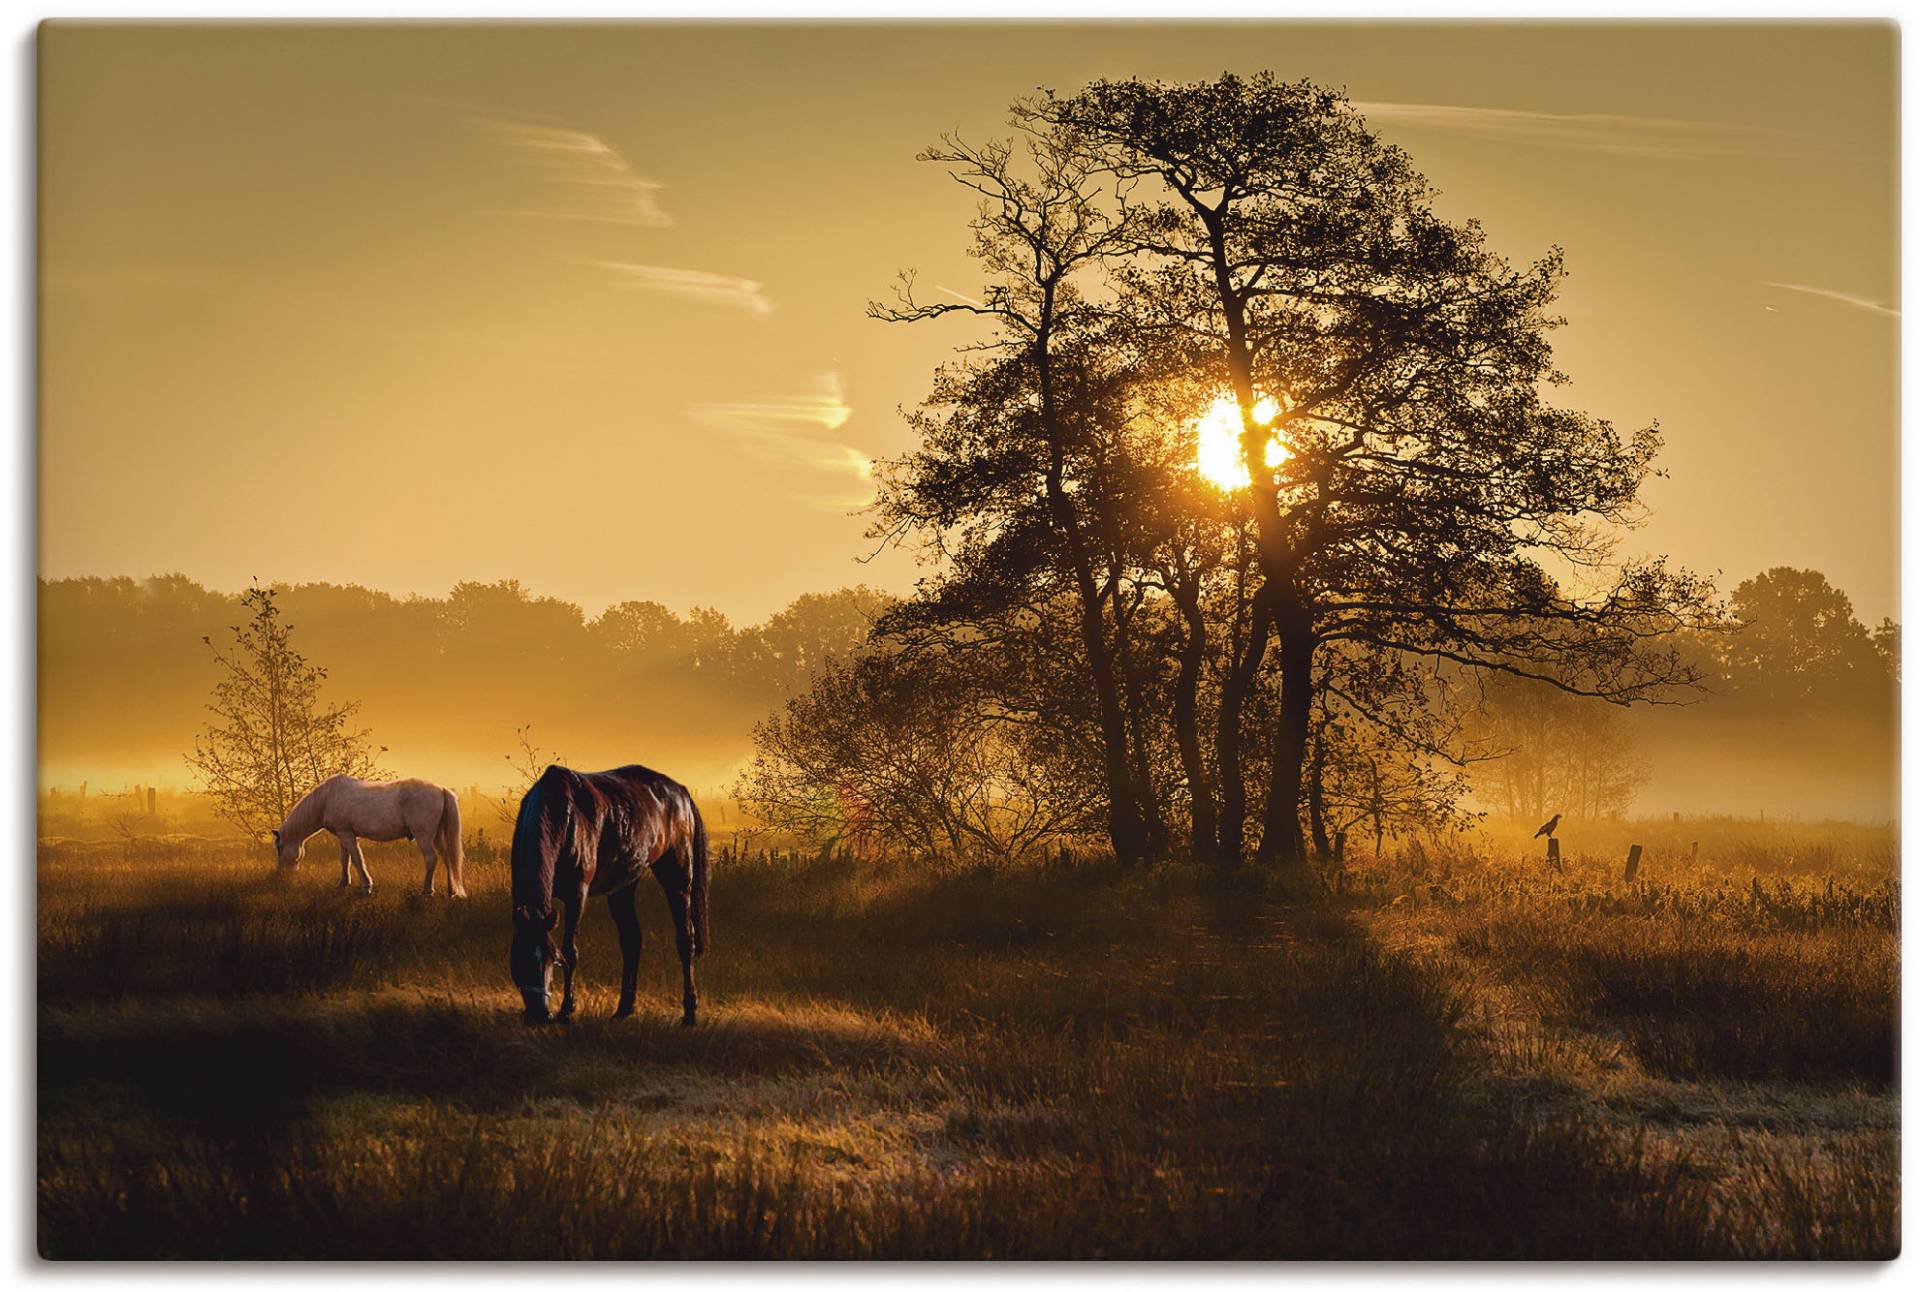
<point>1426,486</point>
<point>1557,752</point>
<point>1007,442</point>
<point>894,750</point>
<point>274,738</point>
<point>1799,641</point>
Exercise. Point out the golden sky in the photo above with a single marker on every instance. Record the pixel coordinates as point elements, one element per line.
<point>583,306</point>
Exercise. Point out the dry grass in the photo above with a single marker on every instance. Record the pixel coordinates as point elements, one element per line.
<point>1064,1062</point>
<point>1737,1015</point>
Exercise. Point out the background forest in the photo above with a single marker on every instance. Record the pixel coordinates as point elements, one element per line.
<point>444,682</point>
<point>1798,708</point>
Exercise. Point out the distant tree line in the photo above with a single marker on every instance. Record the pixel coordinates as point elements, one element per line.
<point>1799,695</point>
<point>445,683</point>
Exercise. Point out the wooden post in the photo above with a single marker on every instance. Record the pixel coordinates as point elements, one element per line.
<point>1633,862</point>
<point>1553,852</point>
<point>1340,849</point>
<point>1696,851</point>
<point>149,800</point>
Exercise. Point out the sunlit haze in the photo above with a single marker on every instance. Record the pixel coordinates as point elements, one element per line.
<point>1217,434</point>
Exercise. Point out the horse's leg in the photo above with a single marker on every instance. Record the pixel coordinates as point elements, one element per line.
<point>346,861</point>
<point>569,952</point>
<point>428,855</point>
<point>359,861</point>
<point>626,920</point>
<point>676,880</point>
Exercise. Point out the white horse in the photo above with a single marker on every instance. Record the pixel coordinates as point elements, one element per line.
<point>354,809</point>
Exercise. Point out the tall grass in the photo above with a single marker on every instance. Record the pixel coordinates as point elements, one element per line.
<point>1078,1061</point>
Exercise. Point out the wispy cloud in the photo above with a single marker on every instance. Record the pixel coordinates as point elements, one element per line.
<point>1845,298</point>
<point>962,297</point>
<point>1587,131</point>
<point>797,427</point>
<point>579,176</point>
<point>693,284</point>
<point>826,407</point>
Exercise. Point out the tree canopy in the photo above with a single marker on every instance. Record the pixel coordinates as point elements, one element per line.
<point>1156,257</point>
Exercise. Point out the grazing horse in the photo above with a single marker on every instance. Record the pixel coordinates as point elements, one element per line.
<point>354,809</point>
<point>592,834</point>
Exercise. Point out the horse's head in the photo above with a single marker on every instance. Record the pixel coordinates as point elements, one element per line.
<point>531,959</point>
<point>288,852</point>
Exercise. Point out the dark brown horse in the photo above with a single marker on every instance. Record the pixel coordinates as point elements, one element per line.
<point>592,834</point>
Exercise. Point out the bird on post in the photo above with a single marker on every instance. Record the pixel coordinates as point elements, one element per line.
<point>1549,827</point>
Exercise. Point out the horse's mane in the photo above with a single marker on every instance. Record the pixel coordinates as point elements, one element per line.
<point>304,817</point>
<point>540,835</point>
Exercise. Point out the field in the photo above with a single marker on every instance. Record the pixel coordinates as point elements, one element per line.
<point>1458,1054</point>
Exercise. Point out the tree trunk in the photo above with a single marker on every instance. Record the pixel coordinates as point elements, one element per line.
<point>1316,797</point>
<point>1126,829</point>
<point>1153,827</point>
<point>1186,727</point>
<point>1281,842</point>
<point>1125,826</point>
<point>1228,741</point>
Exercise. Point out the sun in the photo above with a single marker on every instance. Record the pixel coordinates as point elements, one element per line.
<point>1217,455</point>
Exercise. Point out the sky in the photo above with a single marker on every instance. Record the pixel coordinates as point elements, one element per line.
<point>584,306</point>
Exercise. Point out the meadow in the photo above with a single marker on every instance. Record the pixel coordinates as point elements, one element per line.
<point>1457,1052</point>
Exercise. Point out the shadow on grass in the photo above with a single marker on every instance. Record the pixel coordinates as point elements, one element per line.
<point>1706,1000</point>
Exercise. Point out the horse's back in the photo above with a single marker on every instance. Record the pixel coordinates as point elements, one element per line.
<point>646,811</point>
<point>406,787</point>
<point>384,808</point>
<point>634,776</point>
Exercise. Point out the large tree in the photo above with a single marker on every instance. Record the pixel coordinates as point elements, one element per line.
<point>1409,486</point>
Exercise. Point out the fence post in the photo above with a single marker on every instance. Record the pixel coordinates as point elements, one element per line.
<point>1633,862</point>
<point>1553,852</point>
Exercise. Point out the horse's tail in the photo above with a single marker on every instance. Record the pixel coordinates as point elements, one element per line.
<point>702,931</point>
<point>449,846</point>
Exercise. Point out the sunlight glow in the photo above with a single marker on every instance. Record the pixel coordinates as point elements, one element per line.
<point>1218,453</point>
